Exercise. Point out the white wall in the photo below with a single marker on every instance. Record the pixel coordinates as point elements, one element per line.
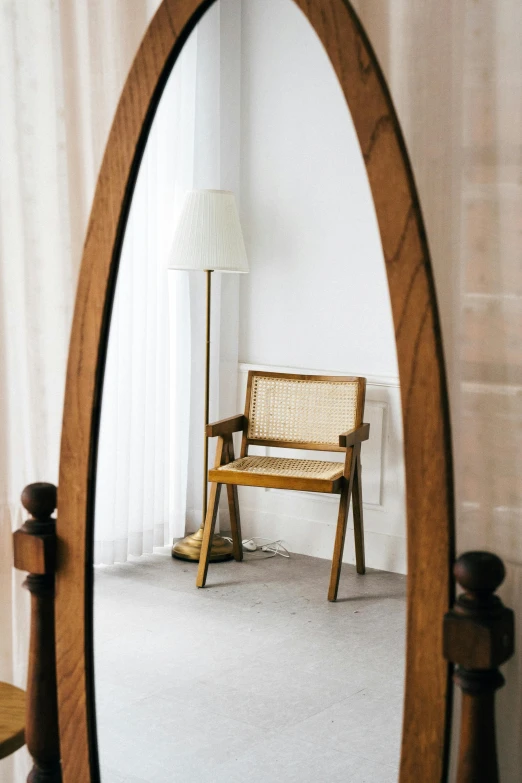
<point>316,298</point>
<point>317,294</point>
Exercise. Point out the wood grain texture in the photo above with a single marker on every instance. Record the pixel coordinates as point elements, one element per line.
<point>358,514</point>
<point>424,399</point>
<point>33,553</point>
<point>12,719</point>
<point>299,484</point>
<point>358,435</point>
<point>342,521</point>
<point>41,717</point>
<point>226,426</point>
<point>41,710</point>
<point>283,444</point>
<point>34,544</point>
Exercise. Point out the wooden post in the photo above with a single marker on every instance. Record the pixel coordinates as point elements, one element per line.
<point>478,637</point>
<point>35,551</point>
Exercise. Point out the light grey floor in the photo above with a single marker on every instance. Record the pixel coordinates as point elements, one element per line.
<point>256,678</point>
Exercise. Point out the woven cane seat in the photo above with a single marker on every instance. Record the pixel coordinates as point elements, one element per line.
<point>307,474</point>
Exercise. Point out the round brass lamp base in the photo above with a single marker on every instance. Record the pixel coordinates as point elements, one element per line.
<point>189,548</point>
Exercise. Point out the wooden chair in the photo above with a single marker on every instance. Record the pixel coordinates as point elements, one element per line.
<point>12,719</point>
<point>313,412</point>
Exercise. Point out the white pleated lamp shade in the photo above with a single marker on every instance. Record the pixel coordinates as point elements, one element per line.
<point>208,234</point>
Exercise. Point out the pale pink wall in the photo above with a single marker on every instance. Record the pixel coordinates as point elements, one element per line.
<point>455,72</point>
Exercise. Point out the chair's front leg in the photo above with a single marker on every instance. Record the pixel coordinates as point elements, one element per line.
<point>208,534</point>
<point>342,522</point>
<point>340,535</point>
<point>210,520</point>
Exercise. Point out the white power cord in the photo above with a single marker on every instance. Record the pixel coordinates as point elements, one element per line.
<point>272,548</point>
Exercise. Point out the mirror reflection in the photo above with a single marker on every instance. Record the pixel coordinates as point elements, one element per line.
<point>251,294</point>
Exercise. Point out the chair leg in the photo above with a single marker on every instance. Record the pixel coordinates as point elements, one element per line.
<point>233,507</point>
<point>358,526</point>
<point>208,534</point>
<point>235,522</point>
<point>353,467</point>
<point>340,535</point>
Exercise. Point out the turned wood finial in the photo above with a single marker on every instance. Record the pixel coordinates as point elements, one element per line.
<point>34,547</point>
<point>35,542</point>
<point>39,500</point>
<point>480,574</point>
<point>478,638</point>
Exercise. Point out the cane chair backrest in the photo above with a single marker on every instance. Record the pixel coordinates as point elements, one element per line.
<point>301,411</point>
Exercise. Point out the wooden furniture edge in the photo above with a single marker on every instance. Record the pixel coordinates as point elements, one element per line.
<point>479,636</point>
<point>242,479</point>
<point>357,435</point>
<point>419,347</point>
<point>12,719</point>
<point>226,426</point>
<point>36,542</point>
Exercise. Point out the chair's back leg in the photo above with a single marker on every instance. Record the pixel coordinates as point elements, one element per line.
<point>358,526</point>
<point>233,507</point>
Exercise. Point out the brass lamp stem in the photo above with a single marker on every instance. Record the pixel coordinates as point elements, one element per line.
<point>208,273</point>
<point>189,548</point>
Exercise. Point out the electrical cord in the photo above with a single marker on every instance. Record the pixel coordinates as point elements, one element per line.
<point>271,548</point>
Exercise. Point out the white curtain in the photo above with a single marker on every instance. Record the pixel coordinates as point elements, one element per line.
<point>149,478</point>
<point>62,67</point>
<point>141,481</point>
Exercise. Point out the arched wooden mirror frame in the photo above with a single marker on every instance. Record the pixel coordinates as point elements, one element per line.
<point>429,476</point>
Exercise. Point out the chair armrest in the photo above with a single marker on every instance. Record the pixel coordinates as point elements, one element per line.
<point>352,437</point>
<point>226,426</point>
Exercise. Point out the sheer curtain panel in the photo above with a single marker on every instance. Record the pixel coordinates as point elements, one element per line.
<point>150,455</point>
<point>143,447</point>
<point>56,105</point>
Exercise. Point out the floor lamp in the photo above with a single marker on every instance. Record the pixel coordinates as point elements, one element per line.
<point>208,238</point>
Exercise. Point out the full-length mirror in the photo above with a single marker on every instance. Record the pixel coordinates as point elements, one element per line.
<point>257,676</point>
<point>255,298</point>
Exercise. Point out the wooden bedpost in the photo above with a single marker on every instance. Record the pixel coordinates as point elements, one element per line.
<point>478,637</point>
<point>35,551</point>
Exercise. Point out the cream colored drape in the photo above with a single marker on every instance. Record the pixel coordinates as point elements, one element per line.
<point>150,451</point>
<point>135,508</point>
<point>62,67</point>
<point>455,73</point>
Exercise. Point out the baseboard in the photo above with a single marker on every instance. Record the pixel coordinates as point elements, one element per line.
<point>315,537</point>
